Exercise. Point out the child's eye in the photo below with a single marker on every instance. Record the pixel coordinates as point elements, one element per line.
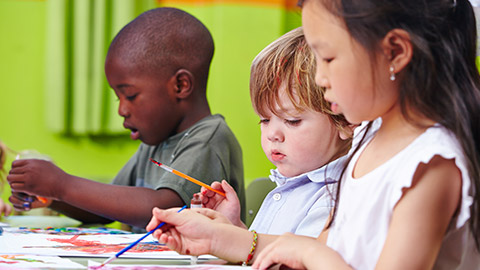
<point>328,60</point>
<point>264,121</point>
<point>131,97</point>
<point>294,122</point>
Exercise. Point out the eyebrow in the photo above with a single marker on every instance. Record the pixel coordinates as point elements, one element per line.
<point>123,86</point>
<point>319,45</point>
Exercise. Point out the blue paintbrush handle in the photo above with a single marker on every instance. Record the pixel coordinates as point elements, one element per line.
<point>143,237</point>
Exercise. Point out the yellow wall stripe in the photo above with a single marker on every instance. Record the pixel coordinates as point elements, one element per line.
<point>288,4</point>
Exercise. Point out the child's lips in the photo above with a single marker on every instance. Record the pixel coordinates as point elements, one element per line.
<point>134,134</point>
<point>277,156</point>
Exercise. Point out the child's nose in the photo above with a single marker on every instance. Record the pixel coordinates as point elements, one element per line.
<point>123,110</point>
<point>320,77</point>
<point>275,135</point>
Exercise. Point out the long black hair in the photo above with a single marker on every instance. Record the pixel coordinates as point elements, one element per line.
<point>441,81</point>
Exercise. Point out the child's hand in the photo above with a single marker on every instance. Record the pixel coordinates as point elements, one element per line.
<point>5,208</point>
<point>200,231</point>
<point>24,202</point>
<point>188,232</point>
<point>288,250</point>
<point>229,206</point>
<point>212,199</point>
<point>36,177</point>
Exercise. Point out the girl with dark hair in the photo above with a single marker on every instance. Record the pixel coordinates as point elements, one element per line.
<point>409,195</point>
<point>408,198</point>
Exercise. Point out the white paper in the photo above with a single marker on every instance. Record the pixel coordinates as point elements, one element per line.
<point>35,261</point>
<point>86,246</point>
<point>95,265</point>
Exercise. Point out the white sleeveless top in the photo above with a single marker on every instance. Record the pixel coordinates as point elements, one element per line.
<point>366,203</point>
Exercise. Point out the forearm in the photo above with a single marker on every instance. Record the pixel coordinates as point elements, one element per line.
<point>78,214</point>
<point>130,205</point>
<point>233,243</point>
<point>328,258</point>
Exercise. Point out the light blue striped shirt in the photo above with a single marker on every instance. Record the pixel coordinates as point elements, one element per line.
<point>299,204</point>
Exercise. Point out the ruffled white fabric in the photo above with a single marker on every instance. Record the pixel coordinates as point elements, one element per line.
<point>366,203</point>
<point>436,141</point>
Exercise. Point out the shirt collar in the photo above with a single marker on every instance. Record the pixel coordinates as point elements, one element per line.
<point>328,174</point>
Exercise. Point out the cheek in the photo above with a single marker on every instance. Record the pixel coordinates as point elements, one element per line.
<point>317,141</point>
<point>264,143</point>
<point>346,93</point>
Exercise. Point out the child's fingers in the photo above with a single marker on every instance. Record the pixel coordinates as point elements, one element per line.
<point>163,238</point>
<point>225,185</point>
<point>208,193</point>
<point>217,185</point>
<point>229,191</point>
<point>174,241</point>
<point>264,260</point>
<point>18,163</point>
<point>211,199</point>
<point>231,195</point>
<point>172,244</point>
<point>166,238</point>
<point>21,201</point>
<point>16,181</point>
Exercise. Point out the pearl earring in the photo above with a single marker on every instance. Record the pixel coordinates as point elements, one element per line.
<point>392,73</point>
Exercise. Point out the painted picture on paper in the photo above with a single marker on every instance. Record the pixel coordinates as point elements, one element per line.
<point>84,245</point>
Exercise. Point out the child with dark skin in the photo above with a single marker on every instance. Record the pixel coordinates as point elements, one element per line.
<point>158,66</point>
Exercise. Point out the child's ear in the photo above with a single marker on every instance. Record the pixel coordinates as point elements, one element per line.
<point>397,47</point>
<point>184,82</point>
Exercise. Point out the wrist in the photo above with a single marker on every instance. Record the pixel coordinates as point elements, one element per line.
<point>252,249</point>
<point>221,244</point>
<point>63,186</point>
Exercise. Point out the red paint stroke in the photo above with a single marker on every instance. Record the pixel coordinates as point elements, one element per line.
<point>95,247</point>
<point>5,262</point>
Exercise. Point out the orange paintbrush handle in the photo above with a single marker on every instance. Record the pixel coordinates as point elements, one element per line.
<point>189,178</point>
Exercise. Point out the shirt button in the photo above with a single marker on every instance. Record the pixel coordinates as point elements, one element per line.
<point>277,196</point>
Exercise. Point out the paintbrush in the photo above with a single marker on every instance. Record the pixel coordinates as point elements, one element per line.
<point>113,257</point>
<point>189,178</point>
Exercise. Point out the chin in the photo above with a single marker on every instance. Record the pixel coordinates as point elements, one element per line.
<point>152,141</point>
<point>288,173</point>
<point>147,141</point>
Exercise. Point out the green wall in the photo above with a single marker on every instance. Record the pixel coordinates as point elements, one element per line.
<point>239,31</point>
<point>22,50</point>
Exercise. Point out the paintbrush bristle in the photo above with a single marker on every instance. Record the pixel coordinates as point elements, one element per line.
<point>109,260</point>
<point>156,162</point>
